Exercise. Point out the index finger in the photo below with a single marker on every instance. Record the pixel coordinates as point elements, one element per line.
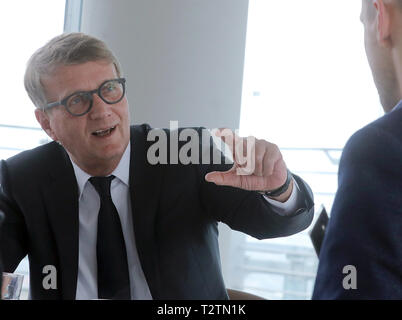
<point>229,137</point>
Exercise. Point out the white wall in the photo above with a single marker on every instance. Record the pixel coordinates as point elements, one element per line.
<point>183,59</point>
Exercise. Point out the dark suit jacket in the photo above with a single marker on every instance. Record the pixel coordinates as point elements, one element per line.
<point>175,213</point>
<point>365,227</point>
<point>1,261</point>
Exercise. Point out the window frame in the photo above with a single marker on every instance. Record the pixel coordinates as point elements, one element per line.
<point>73,16</point>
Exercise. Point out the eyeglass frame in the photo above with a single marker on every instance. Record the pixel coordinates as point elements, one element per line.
<point>90,94</point>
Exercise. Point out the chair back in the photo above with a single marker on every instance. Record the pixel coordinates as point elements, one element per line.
<point>242,295</point>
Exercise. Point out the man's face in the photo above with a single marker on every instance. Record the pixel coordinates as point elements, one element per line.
<point>90,151</point>
<point>379,58</point>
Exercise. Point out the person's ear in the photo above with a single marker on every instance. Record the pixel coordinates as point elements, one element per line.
<point>43,118</point>
<point>383,22</point>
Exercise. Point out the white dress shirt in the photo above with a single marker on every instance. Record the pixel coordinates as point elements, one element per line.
<point>89,205</point>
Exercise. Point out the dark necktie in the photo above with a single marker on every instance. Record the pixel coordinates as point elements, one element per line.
<point>113,278</point>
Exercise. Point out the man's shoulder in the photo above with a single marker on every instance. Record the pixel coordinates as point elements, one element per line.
<point>385,127</point>
<point>36,158</point>
<point>389,123</point>
<point>140,128</point>
<point>378,141</point>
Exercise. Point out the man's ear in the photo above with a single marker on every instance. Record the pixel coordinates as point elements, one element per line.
<point>383,22</point>
<point>44,121</point>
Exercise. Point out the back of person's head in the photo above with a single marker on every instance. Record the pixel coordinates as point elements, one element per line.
<point>65,49</point>
<point>382,20</point>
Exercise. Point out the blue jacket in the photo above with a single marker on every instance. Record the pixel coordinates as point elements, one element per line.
<point>365,226</point>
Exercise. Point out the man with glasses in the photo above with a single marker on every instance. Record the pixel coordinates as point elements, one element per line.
<point>80,103</point>
<point>98,220</point>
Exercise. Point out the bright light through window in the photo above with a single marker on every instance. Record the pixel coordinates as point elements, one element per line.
<point>307,87</point>
<point>26,25</point>
<point>306,79</point>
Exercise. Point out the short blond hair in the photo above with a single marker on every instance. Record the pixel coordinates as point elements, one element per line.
<point>65,49</point>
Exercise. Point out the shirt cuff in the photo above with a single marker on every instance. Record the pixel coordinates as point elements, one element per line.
<point>289,206</point>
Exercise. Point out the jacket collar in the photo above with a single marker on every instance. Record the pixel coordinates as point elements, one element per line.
<point>145,187</point>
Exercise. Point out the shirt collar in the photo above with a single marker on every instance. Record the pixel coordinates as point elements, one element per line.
<point>398,106</point>
<point>123,168</point>
<point>121,172</point>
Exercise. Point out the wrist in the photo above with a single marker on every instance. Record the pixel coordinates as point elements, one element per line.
<point>283,192</point>
<point>284,196</point>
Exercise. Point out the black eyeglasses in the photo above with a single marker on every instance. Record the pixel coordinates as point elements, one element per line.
<point>80,103</point>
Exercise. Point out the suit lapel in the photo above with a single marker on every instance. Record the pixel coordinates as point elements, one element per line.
<point>61,198</point>
<point>145,183</point>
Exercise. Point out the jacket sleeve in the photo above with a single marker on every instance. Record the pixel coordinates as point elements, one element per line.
<point>13,236</point>
<point>364,229</point>
<point>248,211</point>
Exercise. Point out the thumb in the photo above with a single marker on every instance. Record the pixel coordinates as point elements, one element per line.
<point>215,177</point>
<point>218,177</point>
<point>226,178</point>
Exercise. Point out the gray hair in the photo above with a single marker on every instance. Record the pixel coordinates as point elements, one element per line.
<point>65,49</point>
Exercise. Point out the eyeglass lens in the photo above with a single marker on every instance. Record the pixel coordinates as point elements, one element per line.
<point>110,92</point>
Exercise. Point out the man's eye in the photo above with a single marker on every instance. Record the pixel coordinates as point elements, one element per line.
<point>76,100</point>
<point>110,87</point>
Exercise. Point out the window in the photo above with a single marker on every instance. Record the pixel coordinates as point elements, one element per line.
<point>307,87</point>
<point>31,24</point>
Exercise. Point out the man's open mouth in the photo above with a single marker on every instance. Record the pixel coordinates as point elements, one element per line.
<point>104,133</point>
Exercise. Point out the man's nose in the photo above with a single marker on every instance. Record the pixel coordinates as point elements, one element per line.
<point>100,109</point>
